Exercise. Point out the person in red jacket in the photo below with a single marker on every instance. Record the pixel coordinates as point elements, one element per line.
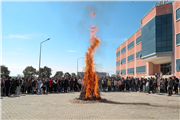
<point>50,85</point>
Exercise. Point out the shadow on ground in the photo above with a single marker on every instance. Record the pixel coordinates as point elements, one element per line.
<point>141,104</point>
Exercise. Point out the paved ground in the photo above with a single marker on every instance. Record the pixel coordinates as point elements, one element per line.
<point>123,105</point>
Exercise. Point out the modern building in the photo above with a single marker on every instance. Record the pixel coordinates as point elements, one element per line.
<point>155,47</point>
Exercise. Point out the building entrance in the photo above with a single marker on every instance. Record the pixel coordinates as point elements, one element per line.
<point>166,68</point>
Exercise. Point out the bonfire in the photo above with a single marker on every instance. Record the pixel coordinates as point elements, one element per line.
<point>90,89</point>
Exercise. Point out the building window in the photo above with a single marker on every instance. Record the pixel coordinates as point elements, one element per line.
<point>130,70</point>
<point>141,69</point>
<point>118,54</point>
<point>131,45</point>
<point>178,39</point>
<point>131,58</point>
<point>123,50</point>
<point>118,63</point>
<point>123,60</point>
<point>138,55</point>
<point>138,40</point>
<point>117,72</point>
<point>178,14</point>
<point>148,43</point>
<point>178,64</point>
<point>123,72</point>
<point>164,33</point>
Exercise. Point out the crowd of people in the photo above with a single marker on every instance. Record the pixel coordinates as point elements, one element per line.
<point>16,86</point>
<point>146,85</point>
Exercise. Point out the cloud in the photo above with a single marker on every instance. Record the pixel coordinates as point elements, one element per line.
<point>23,36</point>
<point>71,51</point>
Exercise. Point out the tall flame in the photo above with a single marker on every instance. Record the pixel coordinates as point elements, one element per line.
<point>90,80</point>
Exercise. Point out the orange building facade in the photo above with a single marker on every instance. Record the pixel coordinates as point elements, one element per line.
<point>155,47</point>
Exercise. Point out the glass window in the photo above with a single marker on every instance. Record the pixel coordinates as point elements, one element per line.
<point>123,72</point>
<point>123,50</point>
<point>178,64</point>
<point>117,72</point>
<point>138,40</point>
<point>130,70</point>
<point>138,55</point>
<point>130,45</point>
<point>178,14</point>
<point>118,54</point>
<point>131,57</point>
<point>123,60</point>
<point>164,35</point>
<point>141,69</point>
<point>118,63</point>
<point>178,39</point>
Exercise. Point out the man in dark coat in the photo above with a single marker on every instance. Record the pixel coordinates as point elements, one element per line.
<point>65,85</point>
<point>7,84</point>
<point>170,86</point>
<point>176,83</point>
<point>151,86</point>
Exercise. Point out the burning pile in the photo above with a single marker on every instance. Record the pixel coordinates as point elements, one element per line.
<point>90,90</point>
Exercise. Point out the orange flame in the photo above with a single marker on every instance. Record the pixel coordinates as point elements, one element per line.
<point>90,80</point>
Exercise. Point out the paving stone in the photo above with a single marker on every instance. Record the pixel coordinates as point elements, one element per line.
<point>123,105</point>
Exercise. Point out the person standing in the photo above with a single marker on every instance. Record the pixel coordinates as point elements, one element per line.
<point>71,84</point>
<point>133,84</point>
<point>18,88</point>
<point>144,85</point>
<point>115,85</point>
<point>122,84</point>
<point>147,86</point>
<point>39,86</point>
<point>100,84</point>
<point>119,84</point>
<point>22,85</point>
<point>109,85</point>
<point>60,84</point>
<point>7,85</point>
<point>176,85</point>
<point>170,86</point>
<point>151,85</point>
<point>50,85</point>
<point>33,85</point>
<point>55,85</point>
<point>65,84</point>
<point>26,85</point>
<point>130,83</point>
<point>1,86</point>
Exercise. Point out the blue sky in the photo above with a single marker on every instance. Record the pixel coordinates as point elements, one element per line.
<point>26,24</point>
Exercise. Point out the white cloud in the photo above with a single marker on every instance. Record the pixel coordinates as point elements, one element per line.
<point>23,36</point>
<point>71,51</point>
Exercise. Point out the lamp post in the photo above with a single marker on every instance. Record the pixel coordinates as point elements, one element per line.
<point>40,54</point>
<point>77,65</point>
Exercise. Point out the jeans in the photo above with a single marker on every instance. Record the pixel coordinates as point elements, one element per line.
<point>32,90</point>
<point>18,89</point>
<point>60,87</point>
<point>133,87</point>
<point>115,86</point>
<point>26,89</point>
<point>39,89</point>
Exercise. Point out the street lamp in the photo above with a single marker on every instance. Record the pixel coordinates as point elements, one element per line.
<point>77,65</point>
<point>40,54</point>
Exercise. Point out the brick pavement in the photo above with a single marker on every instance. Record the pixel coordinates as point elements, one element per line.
<point>123,105</point>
